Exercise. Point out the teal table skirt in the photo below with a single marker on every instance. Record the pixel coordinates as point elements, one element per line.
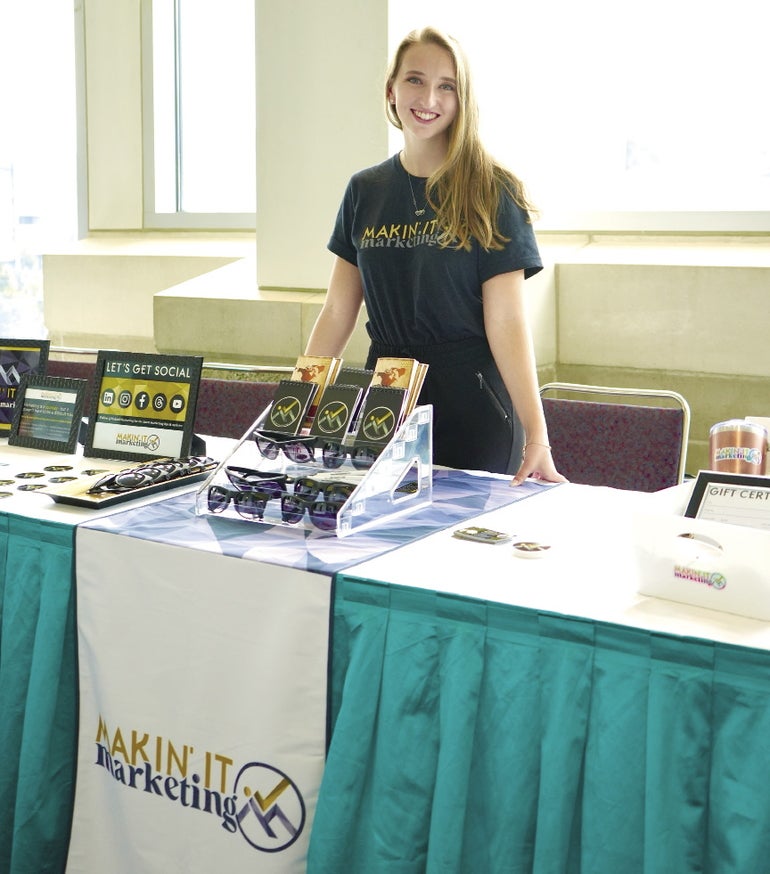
<point>474,737</point>
<point>38,694</point>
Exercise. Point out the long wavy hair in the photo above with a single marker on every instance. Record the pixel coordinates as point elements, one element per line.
<point>465,190</point>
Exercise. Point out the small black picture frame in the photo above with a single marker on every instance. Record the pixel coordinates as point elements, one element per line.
<point>48,413</point>
<point>18,358</point>
<point>142,405</point>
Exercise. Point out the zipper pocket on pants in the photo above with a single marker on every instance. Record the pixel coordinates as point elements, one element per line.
<point>487,389</point>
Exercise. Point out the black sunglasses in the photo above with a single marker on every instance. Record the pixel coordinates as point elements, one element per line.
<point>124,481</point>
<point>323,514</point>
<point>246,479</point>
<point>297,449</point>
<point>334,454</point>
<point>248,504</point>
<point>151,473</point>
<point>307,487</point>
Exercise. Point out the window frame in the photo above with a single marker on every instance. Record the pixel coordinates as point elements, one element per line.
<point>179,219</point>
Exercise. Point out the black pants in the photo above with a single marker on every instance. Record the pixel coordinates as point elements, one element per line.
<point>474,424</point>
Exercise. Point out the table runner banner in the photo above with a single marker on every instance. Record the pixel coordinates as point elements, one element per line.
<point>457,495</point>
<point>202,709</point>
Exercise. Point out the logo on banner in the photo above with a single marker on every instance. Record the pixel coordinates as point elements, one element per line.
<point>259,802</point>
<point>151,442</point>
<point>273,811</point>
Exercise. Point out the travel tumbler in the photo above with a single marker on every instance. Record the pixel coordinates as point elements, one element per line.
<point>738,446</point>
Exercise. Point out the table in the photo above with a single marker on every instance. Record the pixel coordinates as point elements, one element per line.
<point>38,661</point>
<point>38,655</point>
<point>564,720</point>
<point>38,669</point>
<point>498,714</point>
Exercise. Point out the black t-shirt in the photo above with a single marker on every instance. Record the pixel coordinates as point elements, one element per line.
<point>417,292</point>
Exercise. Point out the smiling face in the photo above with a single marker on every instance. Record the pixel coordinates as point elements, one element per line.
<point>423,92</point>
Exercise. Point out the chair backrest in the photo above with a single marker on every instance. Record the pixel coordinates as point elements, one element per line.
<point>228,407</point>
<point>606,442</point>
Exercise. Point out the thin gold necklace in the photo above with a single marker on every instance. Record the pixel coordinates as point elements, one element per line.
<point>417,212</point>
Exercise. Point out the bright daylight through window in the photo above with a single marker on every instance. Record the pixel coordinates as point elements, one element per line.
<point>37,153</point>
<point>622,117</point>
<point>203,139</point>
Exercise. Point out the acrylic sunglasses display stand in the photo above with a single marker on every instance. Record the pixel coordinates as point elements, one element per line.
<point>399,481</point>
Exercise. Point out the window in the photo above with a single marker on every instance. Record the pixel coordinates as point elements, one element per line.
<point>200,154</point>
<point>38,169</point>
<point>641,117</point>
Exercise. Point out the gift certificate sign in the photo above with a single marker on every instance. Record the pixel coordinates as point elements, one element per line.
<point>732,498</point>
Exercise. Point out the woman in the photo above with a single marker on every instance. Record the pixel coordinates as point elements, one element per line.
<point>437,241</point>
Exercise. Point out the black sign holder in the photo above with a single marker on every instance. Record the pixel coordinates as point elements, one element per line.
<point>48,413</point>
<point>143,406</point>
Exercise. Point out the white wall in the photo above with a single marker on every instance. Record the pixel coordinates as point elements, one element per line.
<point>113,114</point>
<point>321,117</point>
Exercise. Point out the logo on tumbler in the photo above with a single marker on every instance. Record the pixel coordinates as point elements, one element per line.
<point>739,453</point>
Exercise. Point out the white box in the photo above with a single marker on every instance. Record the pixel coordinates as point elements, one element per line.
<point>704,563</point>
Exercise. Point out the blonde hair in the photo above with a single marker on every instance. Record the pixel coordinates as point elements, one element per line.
<point>465,190</point>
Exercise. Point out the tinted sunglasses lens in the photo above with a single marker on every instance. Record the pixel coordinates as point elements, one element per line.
<point>338,492</point>
<point>268,448</point>
<point>306,487</point>
<point>363,458</point>
<point>132,479</point>
<point>301,451</point>
<point>249,505</point>
<point>152,473</point>
<point>219,498</point>
<point>292,509</point>
<point>324,515</point>
<point>333,455</point>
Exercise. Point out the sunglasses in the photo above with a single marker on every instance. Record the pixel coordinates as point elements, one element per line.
<point>323,514</point>
<point>361,457</point>
<point>248,504</point>
<point>246,479</point>
<point>150,474</point>
<point>338,492</point>
<point>297,449</point>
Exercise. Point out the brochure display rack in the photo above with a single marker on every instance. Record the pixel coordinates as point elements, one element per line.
<point>340,500</point>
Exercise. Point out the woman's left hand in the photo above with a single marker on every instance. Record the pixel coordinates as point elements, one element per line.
<point>537,463</point>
